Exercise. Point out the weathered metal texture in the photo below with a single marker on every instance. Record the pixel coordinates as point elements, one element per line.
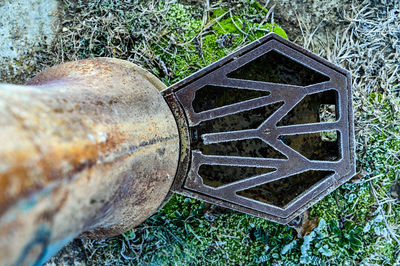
<point>87,147</point>
<point>291,183</point>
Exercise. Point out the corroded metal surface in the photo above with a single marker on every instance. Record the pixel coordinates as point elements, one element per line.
<point>258,108</point>
<point>87,147</point>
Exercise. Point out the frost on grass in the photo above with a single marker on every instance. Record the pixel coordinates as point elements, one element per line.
<point>170,39</point>
<point>358,222</point>
<point>370,48</point>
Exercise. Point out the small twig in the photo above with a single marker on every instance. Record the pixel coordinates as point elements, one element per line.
<point>270,11</point>
<point>313,33</point>
<point>234,23</point>
<point>206,27</point>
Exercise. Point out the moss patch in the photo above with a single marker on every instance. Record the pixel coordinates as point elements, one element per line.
<point>202,43</point>
<point>173,41</point>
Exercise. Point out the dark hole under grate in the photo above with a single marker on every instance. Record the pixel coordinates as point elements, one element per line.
<point>283,191</point>
<point>275,67</point>
<point>218,175</point>
<point>210,97</point>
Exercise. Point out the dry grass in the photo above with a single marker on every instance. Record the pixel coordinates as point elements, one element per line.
<point>119,29</point>
<point>142,32</point>
<point>369,47</point>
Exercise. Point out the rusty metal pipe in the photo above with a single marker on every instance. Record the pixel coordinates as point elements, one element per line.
<point>88,147</point>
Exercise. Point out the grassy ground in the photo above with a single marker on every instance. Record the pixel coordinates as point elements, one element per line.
<point>355,224</point>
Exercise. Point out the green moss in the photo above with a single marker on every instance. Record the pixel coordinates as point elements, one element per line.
<point>186,231</point>
<point>349,230</point>
<point>238,25</point>
<point>260,7</point>
<point>212,52</point>
<point>278,30</point>
<point>201,50</point>
<point>182,21</point>
<point>227,238</point>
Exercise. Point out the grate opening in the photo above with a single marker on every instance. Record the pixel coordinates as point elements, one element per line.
<point>314,108</point>
<point>283,191</point>
<point>219,175</point>
<point>321,146</point>
<point>211,97</point>
<point>277,68</point>
<point>242,148</point>
<point>244,120</point>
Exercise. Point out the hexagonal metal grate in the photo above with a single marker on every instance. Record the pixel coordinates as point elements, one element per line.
<point>267,130</point>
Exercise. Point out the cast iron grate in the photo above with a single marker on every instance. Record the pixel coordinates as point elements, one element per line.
<point>268,130</point>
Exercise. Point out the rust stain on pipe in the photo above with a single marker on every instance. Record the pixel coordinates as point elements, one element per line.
<point>88,147</point>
